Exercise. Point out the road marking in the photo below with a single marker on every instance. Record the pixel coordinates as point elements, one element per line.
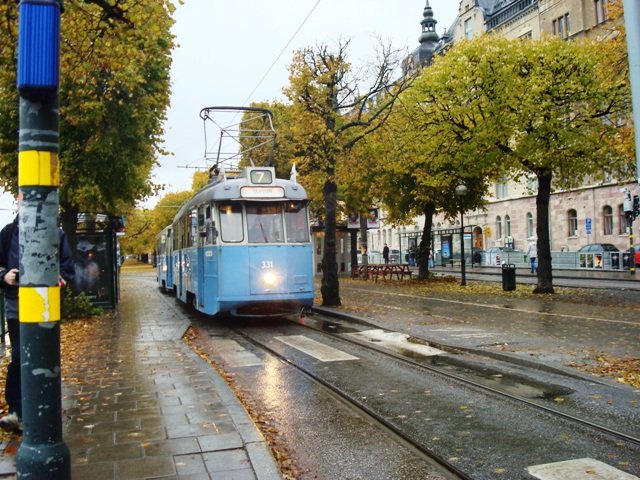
<point>473,335</point>
<point>234,354</point>
<point>578,470</point>
<point>395,341</point>
<point>317,350</point>
<point>464,329</point>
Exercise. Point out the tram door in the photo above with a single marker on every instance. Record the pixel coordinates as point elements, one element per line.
<point>202,241</point>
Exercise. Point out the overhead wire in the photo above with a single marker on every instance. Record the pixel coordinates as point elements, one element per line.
<point>281,53</point>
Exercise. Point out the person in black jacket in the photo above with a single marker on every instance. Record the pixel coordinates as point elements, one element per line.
<point>9,281</point>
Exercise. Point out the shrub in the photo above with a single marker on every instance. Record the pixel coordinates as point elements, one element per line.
<point>78,306</point>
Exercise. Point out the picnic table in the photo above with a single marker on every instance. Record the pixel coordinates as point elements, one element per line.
<point>375,270</point>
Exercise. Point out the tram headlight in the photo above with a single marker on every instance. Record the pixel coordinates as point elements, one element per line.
<point>269,278</point>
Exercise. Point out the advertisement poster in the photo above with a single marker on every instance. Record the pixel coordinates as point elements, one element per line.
<point>446,247</point>
<point>373,219</point>
<point>353,220</point>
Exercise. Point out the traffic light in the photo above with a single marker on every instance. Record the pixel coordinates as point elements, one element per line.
<point>627,203</point>
<point>636,206</point>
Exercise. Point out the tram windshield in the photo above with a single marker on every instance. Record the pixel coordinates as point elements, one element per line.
<point>267,222</point>
<point>264,223</point>
<point>295,219</point>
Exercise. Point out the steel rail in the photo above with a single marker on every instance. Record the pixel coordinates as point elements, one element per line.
<point>466,381</point>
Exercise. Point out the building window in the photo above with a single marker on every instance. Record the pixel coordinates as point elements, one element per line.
<point>562,26</point>
<point>601,11</point>
<point>607,220</point>
<point>622,220</point>
<point>530,225</point>
<point>572,217</point>
<point>527,36</point>
<point>498,227</point>
<point>501,189</point>
<point>468,29</point>
<point>507,225</point>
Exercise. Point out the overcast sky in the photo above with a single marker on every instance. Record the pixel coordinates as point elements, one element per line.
<point>226,48</point>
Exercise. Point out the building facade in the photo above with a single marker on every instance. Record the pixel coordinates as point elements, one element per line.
<point>590,214</point>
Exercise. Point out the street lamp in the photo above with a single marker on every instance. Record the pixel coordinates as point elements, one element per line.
<point>461,191</point>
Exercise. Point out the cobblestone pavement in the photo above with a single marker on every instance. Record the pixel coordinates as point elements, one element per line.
<point>141,404</point>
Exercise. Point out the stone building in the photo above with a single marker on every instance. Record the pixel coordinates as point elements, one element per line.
<point>590,214</point>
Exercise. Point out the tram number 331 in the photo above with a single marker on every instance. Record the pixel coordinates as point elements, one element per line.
<point>266,265</point>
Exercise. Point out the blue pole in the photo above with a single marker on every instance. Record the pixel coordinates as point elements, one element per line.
<point>632,23</point>
<point>43,453</point>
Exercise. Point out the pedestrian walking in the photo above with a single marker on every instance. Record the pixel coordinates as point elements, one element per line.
<point>532,253</point>
<point>385,253</point>
<point>9,282</point>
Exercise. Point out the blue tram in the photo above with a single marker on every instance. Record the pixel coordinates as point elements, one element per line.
<point>241,245</point>
<point>164,263</point>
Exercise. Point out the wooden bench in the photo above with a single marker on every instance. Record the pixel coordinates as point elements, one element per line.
<point>375,270</point>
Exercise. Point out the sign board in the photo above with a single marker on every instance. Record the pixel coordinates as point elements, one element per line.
<point>373,219</point>
<point>588,225</point>
<point>353,220</point>
<point>446,246</point>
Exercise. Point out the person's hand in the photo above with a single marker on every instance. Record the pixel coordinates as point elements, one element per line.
<point>11,277</point>
<point>62,282</point>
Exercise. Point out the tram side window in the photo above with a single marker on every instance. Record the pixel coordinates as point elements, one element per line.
<point>193,231</point>
<point>231,222</point>
<point>295,218</point>
<point>184,221</point>
<point>264,223</point>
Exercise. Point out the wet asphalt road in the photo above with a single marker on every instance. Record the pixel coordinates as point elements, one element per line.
<point>328,439</point>
<point>478,433</point>
<point>319,432</point>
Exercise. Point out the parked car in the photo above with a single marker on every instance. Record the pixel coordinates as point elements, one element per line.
<point>598,248</point>
<point>497,255</point>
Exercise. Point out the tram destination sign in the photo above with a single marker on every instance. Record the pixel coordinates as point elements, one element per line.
<point>262,192</point>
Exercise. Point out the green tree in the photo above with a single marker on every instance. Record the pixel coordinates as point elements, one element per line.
<point>333,109</point>
<point>545,110</point>
<point>430,145</point>
<point>564,110</point>
<point>114,92</point>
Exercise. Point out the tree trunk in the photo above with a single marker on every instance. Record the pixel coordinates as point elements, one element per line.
<point>545,278</point>
<point>330,288</point>
<point>424,249</point>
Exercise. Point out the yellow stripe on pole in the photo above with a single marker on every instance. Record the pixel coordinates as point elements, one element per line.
<point>38,168</point>
<point>39,304</point>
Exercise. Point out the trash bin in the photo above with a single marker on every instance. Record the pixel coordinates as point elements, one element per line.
<point>508,277</point>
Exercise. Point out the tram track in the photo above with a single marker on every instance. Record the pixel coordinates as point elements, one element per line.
<point>447,374</point>
<point>450,471</point>
<point>489,395</point>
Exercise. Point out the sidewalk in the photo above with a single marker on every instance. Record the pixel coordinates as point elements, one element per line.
<point>140,404</point>
<point>579,278</point>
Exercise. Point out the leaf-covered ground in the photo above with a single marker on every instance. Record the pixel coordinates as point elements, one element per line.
<point>624,370</point>
<point>73,337</point>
